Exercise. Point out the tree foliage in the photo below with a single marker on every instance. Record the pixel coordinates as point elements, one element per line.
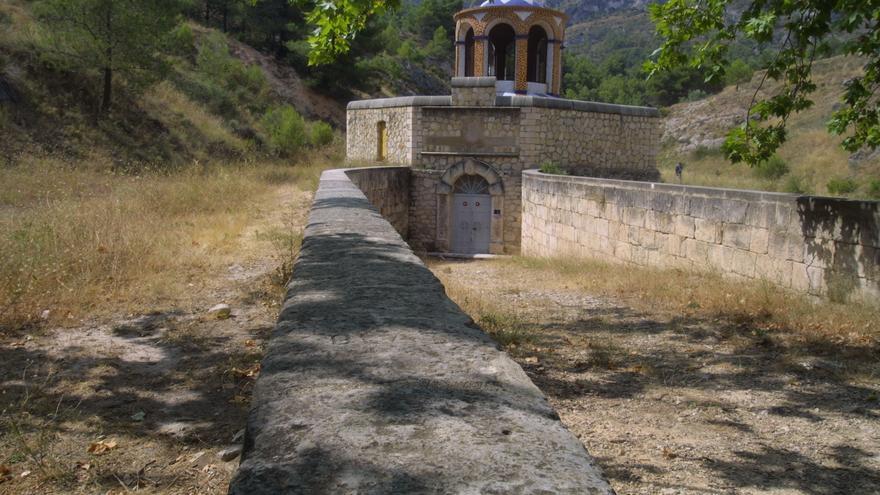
<point>109,36</point>
<point>699,34</point>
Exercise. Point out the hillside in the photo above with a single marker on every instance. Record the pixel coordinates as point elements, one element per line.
<point>693,132</point>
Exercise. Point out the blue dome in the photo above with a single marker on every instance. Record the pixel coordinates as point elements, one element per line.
<point>512,3</point>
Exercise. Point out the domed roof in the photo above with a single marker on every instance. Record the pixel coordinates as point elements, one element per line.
<point>512,3</point>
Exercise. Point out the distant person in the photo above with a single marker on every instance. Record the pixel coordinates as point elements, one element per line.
<point>679,167</point>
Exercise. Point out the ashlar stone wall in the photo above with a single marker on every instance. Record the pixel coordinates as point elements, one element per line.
<point>821,246</point>
<point>508,134</point>
<point>362,138</point>
<point>374,381</point>
<point>388,189</point>
<point>591,144</point>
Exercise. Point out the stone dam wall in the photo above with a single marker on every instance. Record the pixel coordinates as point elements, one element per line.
<point>388,189</point>
<point>374,381</point>
<point>821,246</point>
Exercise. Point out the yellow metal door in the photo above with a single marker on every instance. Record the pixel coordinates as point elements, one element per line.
<point>383,142</point>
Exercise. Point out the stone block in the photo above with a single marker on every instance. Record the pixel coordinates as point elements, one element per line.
<point>659,221</point>
<point>736,235</point>
<point>743,263</point>
<point>719,257</point>
<point>761,215</point>
<point>634,216</point>
<point>684,226</point>
<point>760,240</point>
<point>800,281</point>
<point>697,251</point>
<point>773,270</point>
<point>707,230</point>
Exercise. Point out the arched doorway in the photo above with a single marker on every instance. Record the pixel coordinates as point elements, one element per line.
<point>502,52</point>
<point>471,215</point>
<point>537,55</point>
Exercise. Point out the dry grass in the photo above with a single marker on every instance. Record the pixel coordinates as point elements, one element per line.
<point>80,240</point>
<point>187,118</point>
<point>753,306</point>
<point>758,305</point>
<point>813,155</point>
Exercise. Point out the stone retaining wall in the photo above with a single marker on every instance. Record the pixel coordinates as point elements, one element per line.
<point>388,189</point>
<point>375,382</point>
<point>821,246</point>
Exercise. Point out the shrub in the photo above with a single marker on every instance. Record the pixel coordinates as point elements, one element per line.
<point>842,186</point>
<point>182,41</point>
<point>874,188</point>
<point>552,168</point>
<point>796,185</point>
<point>285,130</point>
<point>701,152</point>
<point>409,51</point>
<point>321,134</point>
<point>696,94</point>
<point>738,72</point>
<point>772,169</point>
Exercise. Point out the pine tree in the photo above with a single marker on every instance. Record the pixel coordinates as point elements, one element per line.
<point>109,37</point>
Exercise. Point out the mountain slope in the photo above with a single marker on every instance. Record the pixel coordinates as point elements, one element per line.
<point>693,132</point>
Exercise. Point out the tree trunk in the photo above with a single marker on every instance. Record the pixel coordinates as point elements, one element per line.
<point>225,15</point>
<point>108,90</point>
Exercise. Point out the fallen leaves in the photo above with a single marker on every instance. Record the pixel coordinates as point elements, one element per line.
<point>102,446</point>
<point>5,473</point>
<point>249,372</point>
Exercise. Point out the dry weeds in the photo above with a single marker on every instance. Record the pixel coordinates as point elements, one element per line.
<point>82,240</point>
<point>686,383</point>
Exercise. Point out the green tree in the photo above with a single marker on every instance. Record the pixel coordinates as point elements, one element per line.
<point>700,33</point>
<point>110,37</point>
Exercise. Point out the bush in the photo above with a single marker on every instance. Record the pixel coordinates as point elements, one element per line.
<point>874,188</point>
<point>552,168</point>
<point>796,185</point>
<point>321,134</point>
<point>842,186</point>
<point>696,94</point>
<point>285,130</point>
<point>738,72</point>
<point>182,41</point>
<point>772,169</point>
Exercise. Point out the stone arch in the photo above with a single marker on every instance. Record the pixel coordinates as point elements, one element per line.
<point>537,54</point>
<point>464,24</point>
<point>471,166</point>
<point>496,19</point>
<point>503,49</point>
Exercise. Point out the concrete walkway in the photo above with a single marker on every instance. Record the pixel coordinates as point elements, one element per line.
<point>376,382</point>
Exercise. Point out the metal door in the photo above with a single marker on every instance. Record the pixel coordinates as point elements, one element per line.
<point>471,217</point>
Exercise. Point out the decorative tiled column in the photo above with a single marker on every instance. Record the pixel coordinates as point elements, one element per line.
<point>480,54</point>
<point>557,68</point>
<point>521,84</point>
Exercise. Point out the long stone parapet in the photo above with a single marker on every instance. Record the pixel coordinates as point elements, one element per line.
<point>821,246</point>
<point>374,381</point>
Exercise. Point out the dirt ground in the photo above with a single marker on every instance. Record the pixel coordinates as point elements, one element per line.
<point>144,402</point>
<point>669,404</point>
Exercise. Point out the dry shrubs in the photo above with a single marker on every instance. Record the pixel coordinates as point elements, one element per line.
<point>754,306</point>
<point>79,240</point>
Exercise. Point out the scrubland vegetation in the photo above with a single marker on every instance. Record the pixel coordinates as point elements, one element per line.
<point>810,162</point>
<point>756,308</point>
<point>125,209</point>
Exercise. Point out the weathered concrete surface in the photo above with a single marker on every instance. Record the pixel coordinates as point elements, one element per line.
<point>375,382</point>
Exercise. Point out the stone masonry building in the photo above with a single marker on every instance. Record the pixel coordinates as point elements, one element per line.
<point>467,151</point>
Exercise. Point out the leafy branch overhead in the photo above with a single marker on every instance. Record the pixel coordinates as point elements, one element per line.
<point>336,23</point>
<point>699,34</point>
